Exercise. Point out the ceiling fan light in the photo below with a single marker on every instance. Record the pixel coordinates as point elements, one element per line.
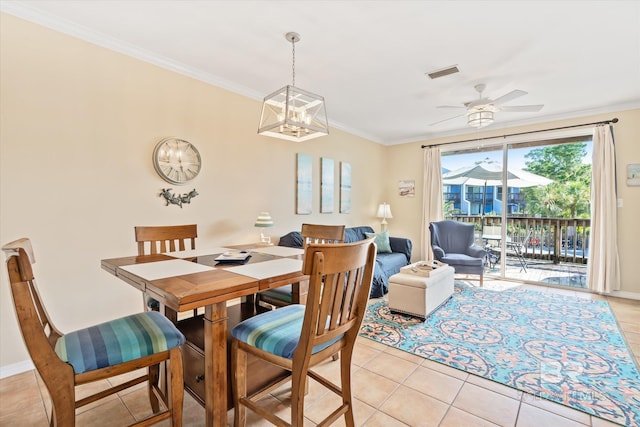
<point>479,119</point>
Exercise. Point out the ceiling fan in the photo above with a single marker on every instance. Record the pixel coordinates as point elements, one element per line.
<point>480,111</point>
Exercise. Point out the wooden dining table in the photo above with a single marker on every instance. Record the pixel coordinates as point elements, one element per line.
<point>183,281</point>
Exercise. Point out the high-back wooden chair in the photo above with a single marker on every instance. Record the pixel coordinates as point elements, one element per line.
<point>298,337</point>
<point>320,233</point>
<point>296,292</point>
<point>164,239</point>
<point>95,353</point>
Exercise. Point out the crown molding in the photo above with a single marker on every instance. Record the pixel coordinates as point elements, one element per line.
<point>73,29</point>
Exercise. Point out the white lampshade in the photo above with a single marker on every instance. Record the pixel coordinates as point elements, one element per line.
<point>264,220</point>
<point>384,211</point>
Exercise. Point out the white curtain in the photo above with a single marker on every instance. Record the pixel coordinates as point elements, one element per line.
<point>431,198</point>
<point>603,268</point>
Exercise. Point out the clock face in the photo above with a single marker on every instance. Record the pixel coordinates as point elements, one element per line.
<point>177,161</point>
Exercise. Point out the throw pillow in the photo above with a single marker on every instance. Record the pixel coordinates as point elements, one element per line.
<point>381,241</point>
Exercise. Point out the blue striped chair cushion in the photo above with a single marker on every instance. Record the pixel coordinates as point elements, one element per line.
<point>276,331</point>
<point>282,293</point>
<point>118,341</point>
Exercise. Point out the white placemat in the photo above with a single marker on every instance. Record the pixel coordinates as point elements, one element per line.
<point>278,250</point>
<point>190,253</point>
<point>161,269</point>
<point>262,270</point>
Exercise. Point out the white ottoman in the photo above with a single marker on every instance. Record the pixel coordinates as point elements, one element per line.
<point>418,293</point>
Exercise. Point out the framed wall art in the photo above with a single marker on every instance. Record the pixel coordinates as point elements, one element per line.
<point>407,188</point>
<point>633,175</point>
<point>345,187</point>
<point>303,184</point>
<point>326,185</point>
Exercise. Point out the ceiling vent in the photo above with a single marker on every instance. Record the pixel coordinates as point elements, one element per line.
<point>443,72</point>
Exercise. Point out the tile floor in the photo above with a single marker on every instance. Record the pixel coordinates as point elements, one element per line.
<point>391,388</point>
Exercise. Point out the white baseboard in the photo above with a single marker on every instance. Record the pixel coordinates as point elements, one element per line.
<point>625,294</point>
<point>16,368</point>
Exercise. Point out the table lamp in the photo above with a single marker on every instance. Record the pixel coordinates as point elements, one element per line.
<point>264,220</point>
<point>384,212</point>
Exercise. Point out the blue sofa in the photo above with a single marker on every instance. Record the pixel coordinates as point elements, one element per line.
<point>387,264</point>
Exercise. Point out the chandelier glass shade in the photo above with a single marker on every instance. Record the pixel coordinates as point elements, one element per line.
<point>292,113</point>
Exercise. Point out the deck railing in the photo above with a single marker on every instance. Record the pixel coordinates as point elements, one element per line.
<point>554,239</point>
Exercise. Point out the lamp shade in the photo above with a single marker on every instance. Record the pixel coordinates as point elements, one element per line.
<point>264,220</point>
<point>384,211</point>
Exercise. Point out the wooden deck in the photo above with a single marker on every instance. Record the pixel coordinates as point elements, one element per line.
<point>543,272</point>
<point>555,249</point>
<point>550,239</point>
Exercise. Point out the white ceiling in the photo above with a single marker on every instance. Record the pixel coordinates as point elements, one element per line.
<point>369,58</point>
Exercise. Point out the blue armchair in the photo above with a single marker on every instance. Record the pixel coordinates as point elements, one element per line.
<point>453,243</point>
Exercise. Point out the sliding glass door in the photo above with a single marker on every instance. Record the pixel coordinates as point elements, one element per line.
<point>529,203</point>
<point>472,181</point>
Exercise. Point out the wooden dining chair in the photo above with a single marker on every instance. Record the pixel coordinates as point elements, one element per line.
<point>164,239</point>
<point>296,292</point>
<point>298,337</point>
<point>64,361</point>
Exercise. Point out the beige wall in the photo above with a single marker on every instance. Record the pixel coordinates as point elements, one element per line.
<point>406,163</point>
<point>78,126</point>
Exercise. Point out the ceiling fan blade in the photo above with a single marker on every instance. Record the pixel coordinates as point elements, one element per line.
<point>509,96</point>
<point>520,108</point>
<point>450,118</point>
<point>450,106</point>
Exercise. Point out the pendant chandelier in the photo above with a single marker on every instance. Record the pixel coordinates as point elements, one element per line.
<point>292,113</point>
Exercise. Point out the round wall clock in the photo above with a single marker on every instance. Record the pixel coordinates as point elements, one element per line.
<point>177,161</point>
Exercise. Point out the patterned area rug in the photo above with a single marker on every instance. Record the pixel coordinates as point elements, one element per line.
<point>561,348</point>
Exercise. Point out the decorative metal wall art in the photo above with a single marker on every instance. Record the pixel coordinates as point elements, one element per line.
<point>173,199</point>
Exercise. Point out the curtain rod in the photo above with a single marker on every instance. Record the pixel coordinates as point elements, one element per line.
<point>604,122</point>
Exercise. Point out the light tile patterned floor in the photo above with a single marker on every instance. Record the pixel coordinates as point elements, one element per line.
<point>391,388</point>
